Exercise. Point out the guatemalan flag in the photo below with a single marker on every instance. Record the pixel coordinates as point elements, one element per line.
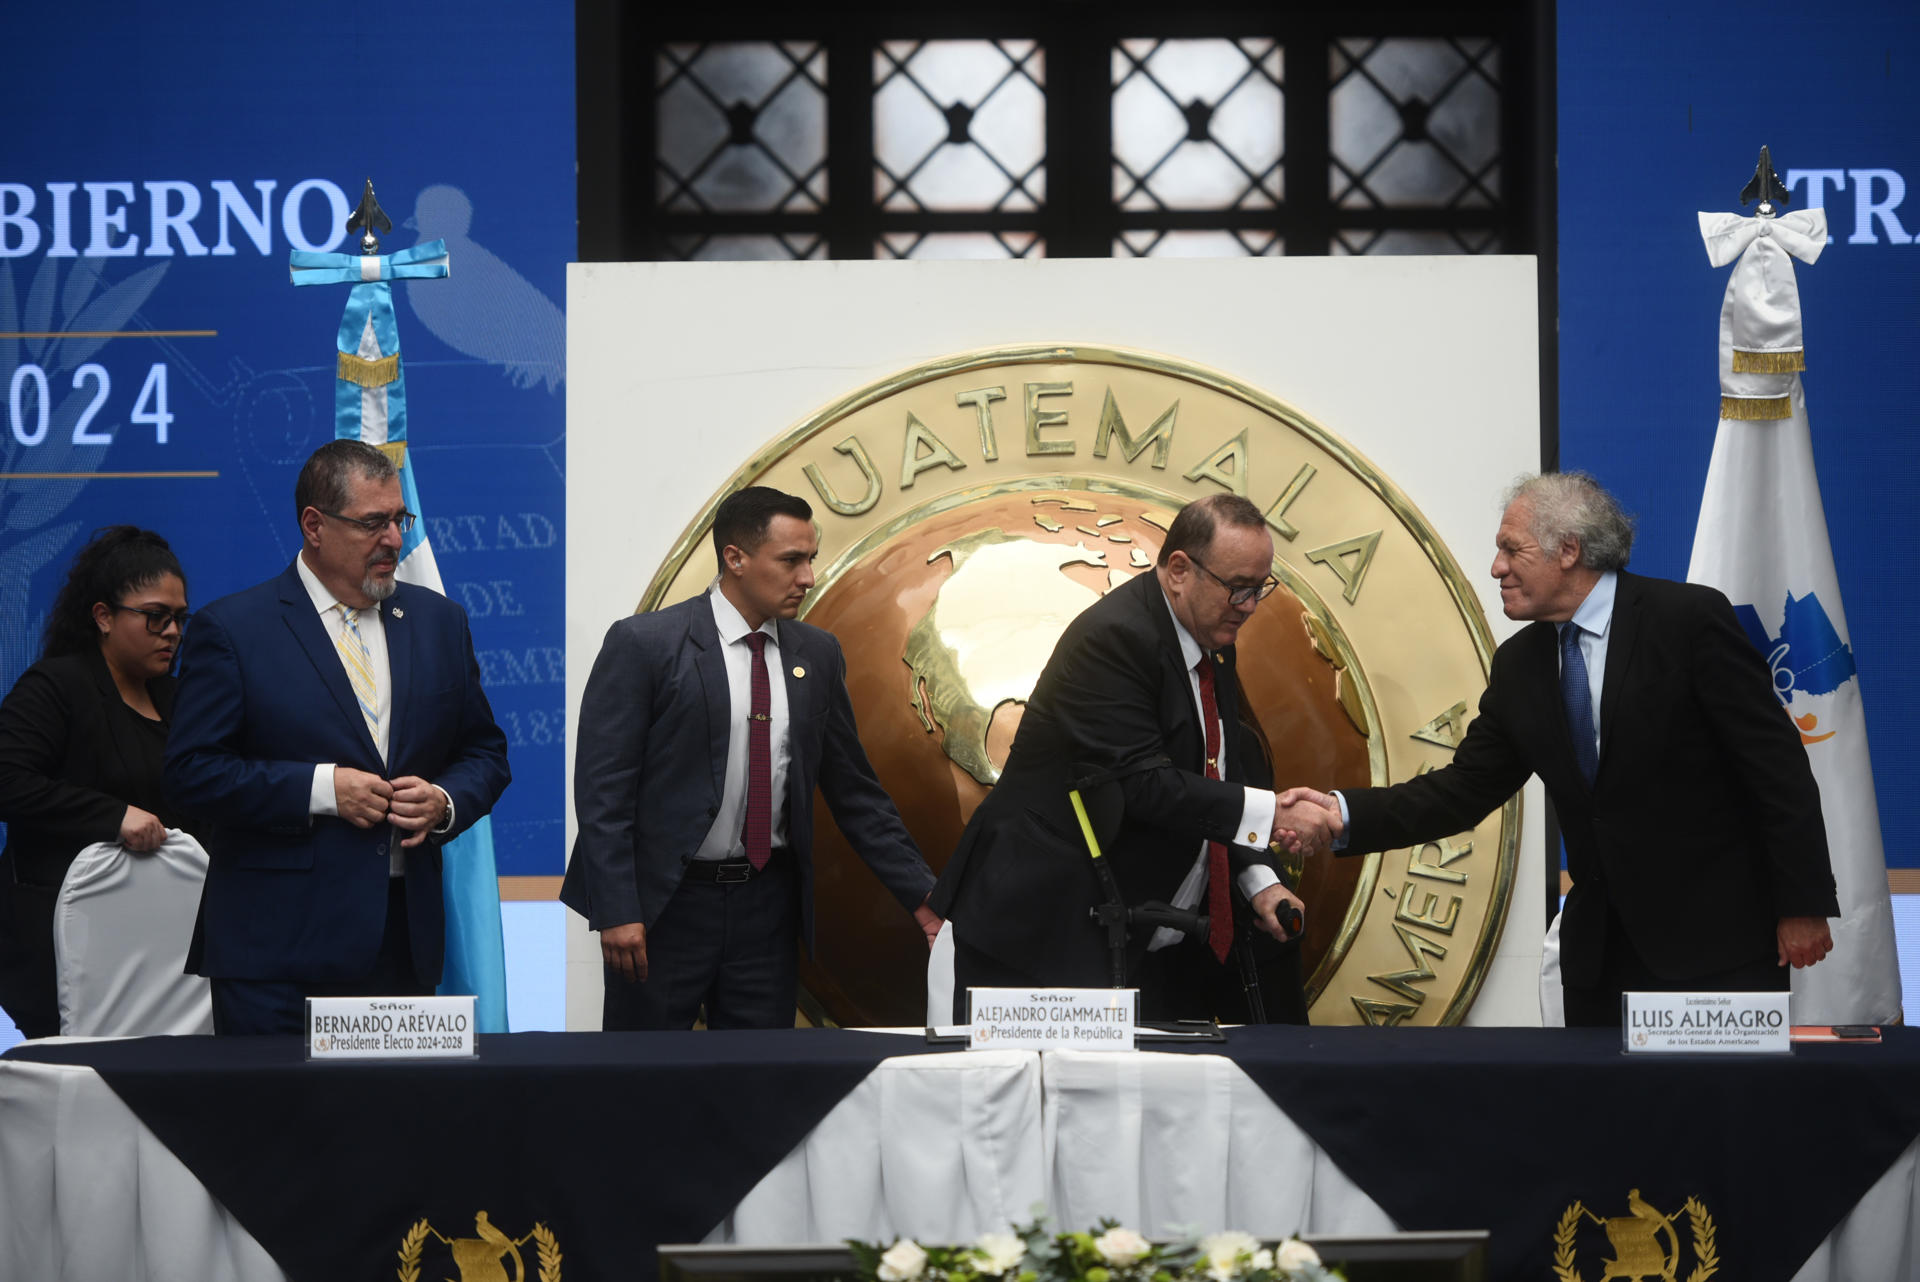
<point>1762,540</point>
<point>370,404</point>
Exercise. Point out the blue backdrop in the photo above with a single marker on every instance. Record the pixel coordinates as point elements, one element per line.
<point>1662,112</point>
<point>160,162</point>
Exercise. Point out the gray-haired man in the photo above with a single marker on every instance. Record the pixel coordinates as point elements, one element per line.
<point>1691,817</point>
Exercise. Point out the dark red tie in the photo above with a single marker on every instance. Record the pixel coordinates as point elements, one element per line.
<point>757,832</point>
<point>1219,906</point>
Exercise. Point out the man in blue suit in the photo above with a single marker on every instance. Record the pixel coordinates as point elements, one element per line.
<point>704,731</point>
<point>331,729</point>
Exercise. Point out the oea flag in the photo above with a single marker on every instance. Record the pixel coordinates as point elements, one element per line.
<point>1762,540</point>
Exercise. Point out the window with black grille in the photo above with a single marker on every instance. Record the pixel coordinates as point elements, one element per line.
<point>1060,130</point>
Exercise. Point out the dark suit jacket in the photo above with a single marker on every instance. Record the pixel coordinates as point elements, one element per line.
<point>1702,828</point>
<point>262,700</point>
<point>1114,698</point>
<point>70,765</point>
<point>652,751</point>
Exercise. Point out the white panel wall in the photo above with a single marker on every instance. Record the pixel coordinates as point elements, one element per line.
<point>677,372</point>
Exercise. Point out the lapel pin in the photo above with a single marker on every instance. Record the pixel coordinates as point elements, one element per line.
<point>1217,658</point>
<point>398,613</point>
<point>799,671</point>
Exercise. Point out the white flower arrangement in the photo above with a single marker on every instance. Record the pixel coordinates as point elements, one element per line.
<point>1120,1247</point>
<point>1109,1252</point>
<point>904,1261</point>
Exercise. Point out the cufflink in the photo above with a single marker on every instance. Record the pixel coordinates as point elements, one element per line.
<point>1253,839</point>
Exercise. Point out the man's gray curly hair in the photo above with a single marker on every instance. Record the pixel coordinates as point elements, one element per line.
<point>1573,505</point>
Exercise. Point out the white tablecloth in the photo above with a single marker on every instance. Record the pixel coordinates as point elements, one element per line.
<point>88,1194</point>
<point>937,1147</point>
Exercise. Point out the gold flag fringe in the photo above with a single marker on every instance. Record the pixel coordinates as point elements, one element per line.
<point>394,450</point>
<point>1769,362</point>
<point>366,373</point>
<point>1754,408</point>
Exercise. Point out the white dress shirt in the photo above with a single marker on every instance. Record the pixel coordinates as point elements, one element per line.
<point>723,840</point>
<point>1256,814</point>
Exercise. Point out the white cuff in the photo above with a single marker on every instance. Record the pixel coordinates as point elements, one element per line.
<point>1256,819</point>
<point>1340,842</point>
<point>1256,879</point>
<point>320,798</point>
<point>445,825</point>
<point>1256,825</point>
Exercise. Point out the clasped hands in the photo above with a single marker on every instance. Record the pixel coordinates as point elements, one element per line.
<point>409,803</point>
<point>1305,822</point>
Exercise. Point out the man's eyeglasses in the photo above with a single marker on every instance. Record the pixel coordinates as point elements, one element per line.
<point>158,617</point>
<point>1239,595</point>
<point>375,525</point>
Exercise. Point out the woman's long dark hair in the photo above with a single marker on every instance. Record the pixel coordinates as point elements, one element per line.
<point>116,561</point>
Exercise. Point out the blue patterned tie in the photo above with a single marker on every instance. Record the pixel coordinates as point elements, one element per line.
<point>1578,698</point>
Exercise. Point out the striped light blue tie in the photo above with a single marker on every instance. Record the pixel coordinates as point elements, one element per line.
<point>359,665</point>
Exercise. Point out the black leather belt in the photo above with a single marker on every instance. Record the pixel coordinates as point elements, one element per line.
<point>729,872</point>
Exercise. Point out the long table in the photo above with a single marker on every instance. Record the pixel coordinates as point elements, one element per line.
<point>208,1159</point>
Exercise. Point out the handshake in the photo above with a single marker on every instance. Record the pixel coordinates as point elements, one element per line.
<point>1305,822</point>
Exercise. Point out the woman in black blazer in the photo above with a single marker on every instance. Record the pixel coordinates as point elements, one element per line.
<point>82,734</point>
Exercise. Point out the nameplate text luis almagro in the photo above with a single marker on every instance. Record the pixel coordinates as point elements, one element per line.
<point>1706,1024</point>
<point>1053,1019</point>
<point>342,1028</point>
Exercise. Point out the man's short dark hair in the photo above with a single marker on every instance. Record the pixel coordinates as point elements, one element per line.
<point>742,518</point>
<point>1193,528</point>
<point>329,471</point>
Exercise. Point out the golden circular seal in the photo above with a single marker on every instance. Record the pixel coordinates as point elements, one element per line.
<point>970,507</point>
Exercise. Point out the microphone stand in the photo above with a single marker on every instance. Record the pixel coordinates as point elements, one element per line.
<point>1118,921</point>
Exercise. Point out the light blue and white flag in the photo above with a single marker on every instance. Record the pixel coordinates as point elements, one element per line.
<point>370,404</point>
<point>1762,540</point>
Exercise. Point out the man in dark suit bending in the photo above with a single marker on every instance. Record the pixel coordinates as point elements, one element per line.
<point>1140,688</point>
<point>332,730</point>
<point>704,730</point>
<point>1691,817</point>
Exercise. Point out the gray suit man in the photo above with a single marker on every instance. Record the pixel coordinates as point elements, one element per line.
<point>704,731</point>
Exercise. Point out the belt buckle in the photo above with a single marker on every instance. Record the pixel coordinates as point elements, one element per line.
<point>732,874</point>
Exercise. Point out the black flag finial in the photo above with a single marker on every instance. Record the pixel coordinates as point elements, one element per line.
<point>1765,187</point>
<point>369,218</point>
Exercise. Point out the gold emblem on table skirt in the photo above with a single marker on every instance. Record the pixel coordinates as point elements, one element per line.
<point>1642,1245</point>
<point>489,1256</point>
<point>971,507</point>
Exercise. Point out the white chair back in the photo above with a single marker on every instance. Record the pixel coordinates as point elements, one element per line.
<point>940,978</point>
<point>121,927</point>
<point>1553,1007</point>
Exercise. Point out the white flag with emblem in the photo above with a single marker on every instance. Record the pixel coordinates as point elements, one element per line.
<point>1762,540</point>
